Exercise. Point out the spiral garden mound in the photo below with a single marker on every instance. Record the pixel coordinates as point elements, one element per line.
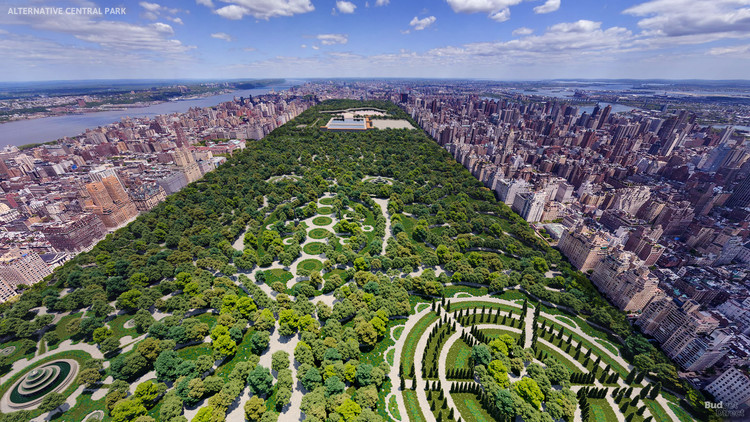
<point>28,392</point>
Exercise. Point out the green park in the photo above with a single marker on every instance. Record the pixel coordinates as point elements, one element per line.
<point>420,299</point>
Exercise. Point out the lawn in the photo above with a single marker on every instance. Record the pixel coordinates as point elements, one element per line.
<point>657,411</point>
<point>84,406</point>
<point>393,407</point>
<point>192,352</point>
<point>609,346</point>
<point>16,355</point>
<point>326,201</point>
<point>458,355</point>
<point>314,248</point>
<point>410,345</point>
<point>318,233</point>
<point>602,411</point>
<point>61,331</point>
<point>389,356</point>
<point>117,326</point>
<point>325,210</point>
<point>376,355</point>
<point>596,349</point>
<point>566,320</point>
<point>310,265</point>
<point>489,305</point>
<point>413,409</point>
<point>564,359</point>
<point>681,413</point>
<point>397,332</point>
<point>279,275</point>
<point>497,332</point>
<point>322,221</point>
<point>451,291</point>
<point>338,271</point>
<point>470,408</point>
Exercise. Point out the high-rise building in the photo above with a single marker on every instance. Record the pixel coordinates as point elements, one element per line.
<point>623,278</point>
<point>185,161</point>
<point>19,266</point>
<point>6,292</point>
<point>530,205</point>
<point>733,386</point>
<point>75,235</point>
<point>741,195</point>
<point>584,248</point>
<point>110,201</point>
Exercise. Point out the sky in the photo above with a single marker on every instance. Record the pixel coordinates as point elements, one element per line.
<point>484,39</point>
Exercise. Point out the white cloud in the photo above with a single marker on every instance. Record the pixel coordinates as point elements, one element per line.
<point>497,10</point>
<point>735,50</point>
<point>315,47</point>
<point>345,6</point>
<point>693,22</point>
<point>420,24</point>
<point>151,7</point>
<point>264,9</point>
<point>523,31</point>
<point>222,36</point>
<point>548,7</point>
<point>176,20</point>
<point>382,2</point>
<point>207,3</point>
<point>331,39</point>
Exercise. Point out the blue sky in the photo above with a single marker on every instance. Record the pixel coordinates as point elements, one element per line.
<point>491,39</point>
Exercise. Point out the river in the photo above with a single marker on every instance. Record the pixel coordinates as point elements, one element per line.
<point>47,129</point>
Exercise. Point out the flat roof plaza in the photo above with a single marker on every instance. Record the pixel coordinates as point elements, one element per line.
<point>348,123</point>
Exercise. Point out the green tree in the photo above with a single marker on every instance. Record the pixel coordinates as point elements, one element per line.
<point>255,408</point>
<point>528,389</point>
<point>349,410</point>
<point>127,410</point>
<point>260,381</point>
<point>51,402</point>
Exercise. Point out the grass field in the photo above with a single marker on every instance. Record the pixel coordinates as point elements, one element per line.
<point>60,328</point>
<point>681,413</point>
<point>657,411</point>
<point>318,233</point>
<point>497,332</point>
<point>280,275</point>
<point>117,326</point>
<point>451,291</point>
<point>410,345</point>
<point>413,410</point>
<point>84,405</point>
<point>326,201</point>
<point>314,248</point>
<point>470,409</point>
<point>458,355</point>
<point>322,220</point>
<point>325,210</point>
<point>192,352</point>
<point>393,407</point>
<point>397,332</point>
<point>602,411</point>
<point>311,265</point>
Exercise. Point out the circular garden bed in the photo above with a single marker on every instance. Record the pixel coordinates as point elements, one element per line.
<point>310,265</point>
<point>318,233</point>
<point>326,201</point>
<point>322,221</point>
<point>325,210</point>
<point>314,248</point>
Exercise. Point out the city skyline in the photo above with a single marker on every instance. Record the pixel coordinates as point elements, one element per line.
<point>492,39</point>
